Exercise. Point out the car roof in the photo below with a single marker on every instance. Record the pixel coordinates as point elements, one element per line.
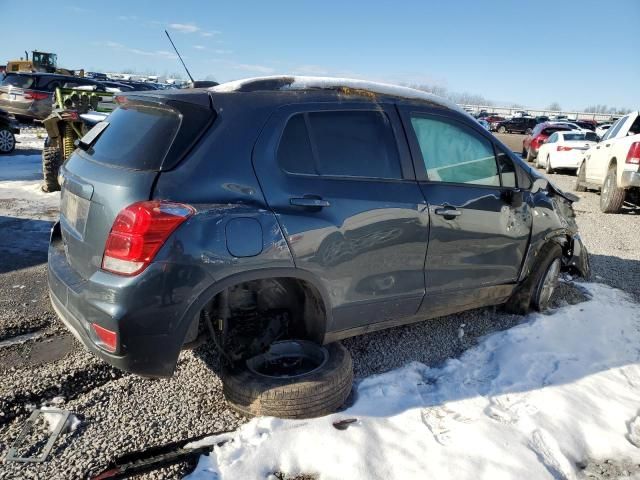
<point>284,83</point>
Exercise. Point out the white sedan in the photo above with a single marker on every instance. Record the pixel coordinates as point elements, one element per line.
<point>565,149</point>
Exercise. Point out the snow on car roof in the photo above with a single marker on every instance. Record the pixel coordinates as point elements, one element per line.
<point>294,82</point>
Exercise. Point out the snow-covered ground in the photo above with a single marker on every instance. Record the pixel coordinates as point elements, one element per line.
<point>533,402</point>
<point>21,178</point>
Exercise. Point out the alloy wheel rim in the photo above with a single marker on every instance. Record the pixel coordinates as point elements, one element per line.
<point>6,140</point>
<point>549,282</point>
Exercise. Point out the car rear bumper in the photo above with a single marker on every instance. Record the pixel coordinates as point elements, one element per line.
<point>570,159</point>
<point>630,179</point>
<point>150,324</point>
<point>36,110</point>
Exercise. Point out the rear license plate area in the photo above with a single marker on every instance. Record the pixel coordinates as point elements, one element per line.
<point>73,212</point>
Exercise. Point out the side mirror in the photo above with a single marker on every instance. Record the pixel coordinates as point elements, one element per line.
<point>539,184</point>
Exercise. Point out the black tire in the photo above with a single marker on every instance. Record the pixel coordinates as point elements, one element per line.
<point>530,156</point>
<point>524,153</point>
<point>581,179</point>
<point>547,167</point>
<point>611,196</point>
<point>7,141</point>
<point>528,295</point>
<point>502,130</point>
<point>528,131</point>
<point>319,392</point>
<point>50,168</point>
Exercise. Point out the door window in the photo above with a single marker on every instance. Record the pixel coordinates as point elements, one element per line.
<point>340,144</point>
<point>613,131</point>
<point>453,153</point>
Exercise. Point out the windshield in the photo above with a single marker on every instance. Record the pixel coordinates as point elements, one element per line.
<point>575,136</point>
<point>17,81</point>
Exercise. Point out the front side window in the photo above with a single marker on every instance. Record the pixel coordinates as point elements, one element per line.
<point>452,153</point>
<point>340,144</point>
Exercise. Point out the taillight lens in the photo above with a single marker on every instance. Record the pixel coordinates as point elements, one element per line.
<point>633,156</point>
<point>33,95</point>
<point>563,149</point>
<point>138,232</point>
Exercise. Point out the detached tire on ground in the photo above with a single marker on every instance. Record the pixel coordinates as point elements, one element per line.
<point>257,388</point>
<point>50,168</point>
<point>581,179</point>
<point>532,293</point>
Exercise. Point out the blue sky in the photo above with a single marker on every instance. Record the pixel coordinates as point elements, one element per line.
<point>576,53</point>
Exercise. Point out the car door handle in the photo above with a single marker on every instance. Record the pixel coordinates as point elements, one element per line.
<point>448,212</point>
<point>309,202</point>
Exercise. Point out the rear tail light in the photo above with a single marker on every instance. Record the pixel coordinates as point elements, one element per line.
<point>33,95</point>
<point>563,149</point>
<point>108,339</point>
<point>633,156</point>
<point>138,232</point>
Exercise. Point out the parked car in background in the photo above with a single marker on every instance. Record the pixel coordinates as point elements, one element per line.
<point>517,125</point>
<point>274,248</point>
<point>30,95</point>
<point>116,87</point>
<point>564,150</point>
<point>613,165</point>
<point>601,130</point>
<point>586,124</point>
<point>532,142</point>
<point>9,128</point>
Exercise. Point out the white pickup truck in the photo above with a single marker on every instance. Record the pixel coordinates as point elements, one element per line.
<point>613,165</point>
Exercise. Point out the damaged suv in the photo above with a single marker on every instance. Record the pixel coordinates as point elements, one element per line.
<point>279,215</point>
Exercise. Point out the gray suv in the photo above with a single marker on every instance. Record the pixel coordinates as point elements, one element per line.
<point>280,215</point>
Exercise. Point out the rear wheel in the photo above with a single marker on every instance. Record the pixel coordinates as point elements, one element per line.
<point>548,167</point>
<point>528,131</point>
<point>530,157</point>
<point>7,140</point>
<point>50,167</point>
<point>581,179</point>
<point>611,196</point>
<point>502,130</point>
<point>294,379</point>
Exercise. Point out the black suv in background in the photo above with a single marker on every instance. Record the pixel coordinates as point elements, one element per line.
<point>30,95</point>
<point>280,215</point>
<point>518,125</point>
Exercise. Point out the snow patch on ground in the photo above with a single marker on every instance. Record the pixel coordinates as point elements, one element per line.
<point>53,418</point>
<point>20,181</point>
<point>529,402</point>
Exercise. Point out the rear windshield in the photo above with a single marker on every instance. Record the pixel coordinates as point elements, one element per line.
<point>575,136</point>
<point>552,130</point>
<point>138,136</point>
<point>18,81</point>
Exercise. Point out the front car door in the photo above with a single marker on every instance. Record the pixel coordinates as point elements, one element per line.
<point>480,225</point>
<point>340,180</point>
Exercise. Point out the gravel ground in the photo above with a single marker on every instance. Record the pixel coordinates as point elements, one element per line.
<point>122,412</point>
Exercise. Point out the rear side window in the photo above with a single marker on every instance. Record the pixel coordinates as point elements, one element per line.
<point>138,136</point>
<point>452,153</point>
<point>18,81</point>
<point>340,143</point>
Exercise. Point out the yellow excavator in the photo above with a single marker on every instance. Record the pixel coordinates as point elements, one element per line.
<point>40,62</point>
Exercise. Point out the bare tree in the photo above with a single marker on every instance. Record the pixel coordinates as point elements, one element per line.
<point>554,106</point>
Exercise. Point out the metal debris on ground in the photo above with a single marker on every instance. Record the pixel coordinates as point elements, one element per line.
<point>344,424</point>
<point>13,456</point>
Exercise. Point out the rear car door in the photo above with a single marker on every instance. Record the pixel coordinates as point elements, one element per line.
<point>340,181</point>
<point>598,160</point>
<point>480,225</point>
